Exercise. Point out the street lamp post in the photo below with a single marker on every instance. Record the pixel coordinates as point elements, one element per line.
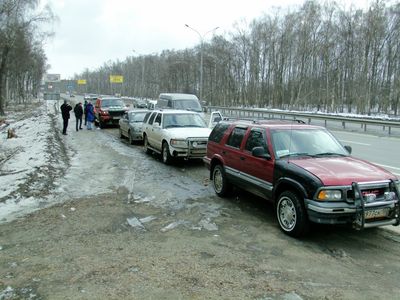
<point>201,56</point>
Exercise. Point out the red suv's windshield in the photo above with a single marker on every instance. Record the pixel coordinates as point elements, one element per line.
<point>302,141</point>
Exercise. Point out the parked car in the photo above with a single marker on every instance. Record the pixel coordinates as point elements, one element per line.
<point>109,110</point>
<point>179,101</point>
<point>176,134</point>
<point>131,125</point>
<point>140,103</point>
<point>304,171</point>
<point>90,97</point>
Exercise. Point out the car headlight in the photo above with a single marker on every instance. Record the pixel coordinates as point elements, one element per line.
<point>178,143</point>
<point>329,195</point>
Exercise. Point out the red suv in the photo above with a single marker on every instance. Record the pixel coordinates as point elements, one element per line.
<point>304,171</point>
<point>109,110</point>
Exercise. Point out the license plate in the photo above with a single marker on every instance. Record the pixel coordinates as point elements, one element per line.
<point>376,213</point>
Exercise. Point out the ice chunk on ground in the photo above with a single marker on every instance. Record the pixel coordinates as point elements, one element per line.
<point>147,219</point>
<point>135,223</point>
<point>174,225</point>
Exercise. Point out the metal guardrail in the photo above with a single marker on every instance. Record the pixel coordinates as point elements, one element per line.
<point>257,113</point>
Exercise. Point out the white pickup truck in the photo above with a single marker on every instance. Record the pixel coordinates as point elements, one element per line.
<point>176,134</point>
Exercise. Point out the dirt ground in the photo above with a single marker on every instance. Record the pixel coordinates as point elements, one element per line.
<point>128,227</point>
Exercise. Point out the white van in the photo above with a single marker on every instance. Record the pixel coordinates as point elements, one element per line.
<point>179,101</point>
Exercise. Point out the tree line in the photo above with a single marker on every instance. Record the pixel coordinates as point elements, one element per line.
<point>22,58</point>
<point>317,56</point>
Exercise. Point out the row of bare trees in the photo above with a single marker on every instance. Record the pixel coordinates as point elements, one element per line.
<point>319,56</point>
<point>22,58</point>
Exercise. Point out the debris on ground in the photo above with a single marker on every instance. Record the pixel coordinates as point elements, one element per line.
<point>174,225</point>
<point>135,223</point>
<point>11,133</point>
<point>147,219</point>
<point>208,225</point>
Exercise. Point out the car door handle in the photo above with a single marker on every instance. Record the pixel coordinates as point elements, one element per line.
<point>223,152</point>
<point>242,158</point>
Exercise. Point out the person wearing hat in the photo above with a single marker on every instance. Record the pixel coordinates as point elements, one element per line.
<point>65,109</point>
<point>78,110</point>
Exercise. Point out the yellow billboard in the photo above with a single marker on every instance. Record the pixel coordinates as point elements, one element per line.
<point>116,78</point>
<point>81,81</point>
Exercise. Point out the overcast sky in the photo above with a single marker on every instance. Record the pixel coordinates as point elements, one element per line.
<point>92,32</point>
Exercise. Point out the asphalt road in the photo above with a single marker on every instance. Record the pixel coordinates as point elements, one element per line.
<point>382,151</point>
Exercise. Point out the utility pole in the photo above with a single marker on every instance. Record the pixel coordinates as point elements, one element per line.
<point>201,36</point>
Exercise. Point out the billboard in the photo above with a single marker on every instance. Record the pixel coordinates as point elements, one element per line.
<point>52,77</point>
<point>116,78</point>
<point>81,81</point>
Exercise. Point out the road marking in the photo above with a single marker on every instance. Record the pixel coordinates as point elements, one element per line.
<point>386,166</point>
<point>389,167</point>
<point>357,143</point>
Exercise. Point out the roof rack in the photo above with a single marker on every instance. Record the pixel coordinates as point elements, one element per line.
<point>260,120</point>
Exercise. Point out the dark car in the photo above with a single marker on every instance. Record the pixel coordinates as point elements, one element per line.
<point>140,103</point>
<point>109,110</point>
<point>304,171</point>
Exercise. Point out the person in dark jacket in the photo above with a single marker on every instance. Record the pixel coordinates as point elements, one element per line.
<point>78,110</point>
<point>90,115</point>
<point>65,109</point>
<point>84,111</point>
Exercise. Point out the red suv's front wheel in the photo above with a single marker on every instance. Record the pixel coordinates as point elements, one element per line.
<point>291,214</point>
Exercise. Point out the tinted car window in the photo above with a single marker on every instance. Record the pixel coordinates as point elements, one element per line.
<point>146,117</point>
<point>218,132</point>
<point>158,119</point>
<point>187,104</point>
<point>152,118</point>
<point>236,137</point>
<point>256,139</point>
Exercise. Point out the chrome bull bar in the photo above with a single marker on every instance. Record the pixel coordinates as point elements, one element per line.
<point>360,204</point>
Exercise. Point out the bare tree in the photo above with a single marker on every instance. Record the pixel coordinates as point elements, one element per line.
<point>319,56</point>
<point>20,42</point>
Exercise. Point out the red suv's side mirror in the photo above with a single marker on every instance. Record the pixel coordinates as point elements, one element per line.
<point>348,148</point>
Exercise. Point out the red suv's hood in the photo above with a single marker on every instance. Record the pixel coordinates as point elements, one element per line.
<point>343,170</point>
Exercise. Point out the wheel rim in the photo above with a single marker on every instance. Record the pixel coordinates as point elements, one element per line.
<point>218,180</point>
<point>286,213</point>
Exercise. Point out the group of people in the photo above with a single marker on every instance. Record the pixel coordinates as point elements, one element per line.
<point>79,111</point>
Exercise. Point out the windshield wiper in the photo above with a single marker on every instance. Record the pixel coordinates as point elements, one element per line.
<point>330,154</point>
<point>296,154</point>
